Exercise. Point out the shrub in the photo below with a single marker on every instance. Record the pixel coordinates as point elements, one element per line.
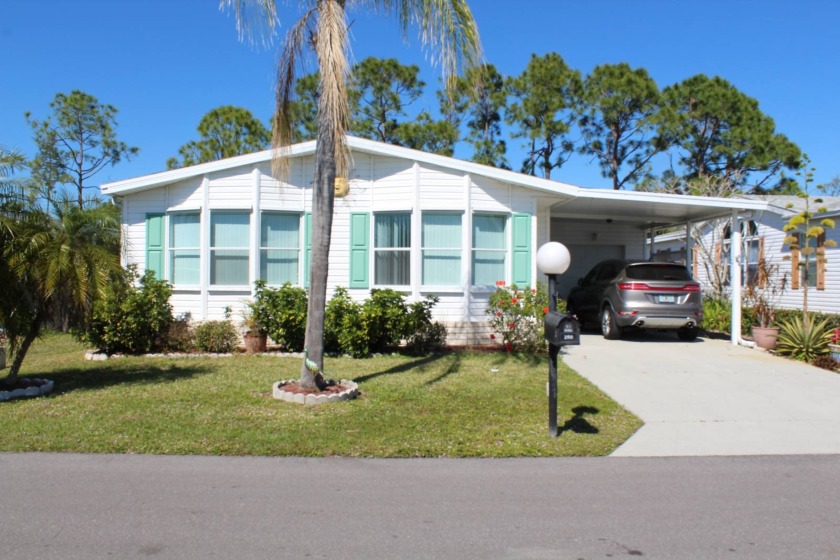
<point>181,337</point>
<point>825,361</point>
<point>516,317</point>
<point>130,319</point>
<point>386,316</point>
<point>282,313</point>
<point>422,334</point>
<point>803,343</point>
<point>218,337</point>
<point>717,316</point>
<point>345,327</point>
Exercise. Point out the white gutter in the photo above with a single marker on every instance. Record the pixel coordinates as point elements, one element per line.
<point>735,282</point>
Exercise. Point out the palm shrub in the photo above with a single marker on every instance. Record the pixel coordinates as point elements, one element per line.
<point>803,341</point>
<point>717,315</point>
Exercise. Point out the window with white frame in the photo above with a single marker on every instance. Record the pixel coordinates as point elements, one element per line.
<point>184,248</point>
<point>489,249</point>
<point>441,248</point>
<point>392,249</point>
<point>280,247</point>
<point>229,248</point>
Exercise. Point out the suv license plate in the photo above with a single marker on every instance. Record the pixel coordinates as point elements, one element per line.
<point>667,299</point>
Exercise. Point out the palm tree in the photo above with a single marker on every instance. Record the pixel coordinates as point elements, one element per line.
<point>65,258</point>
<point>447,27</point>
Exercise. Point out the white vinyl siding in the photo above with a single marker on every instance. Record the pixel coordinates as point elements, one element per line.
<point>184,249</point>
<point>392,249</point>
<point>441,239</point>
<point>489,249</point>
<point>229,248</point>
<point>280,247</point>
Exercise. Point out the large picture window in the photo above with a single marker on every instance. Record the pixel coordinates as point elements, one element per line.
<point>441,239</point>
<point>489,249</point>
<point>280,247</point>
<point>229,248</point>
<point>392,249</point>
<point>184,249</point>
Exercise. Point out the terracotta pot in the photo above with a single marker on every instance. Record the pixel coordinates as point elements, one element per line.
<point>255,343</point>
<point>765,337</point>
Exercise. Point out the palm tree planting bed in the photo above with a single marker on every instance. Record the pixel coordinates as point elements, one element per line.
<point>24,387</point>
<point>291,391</point>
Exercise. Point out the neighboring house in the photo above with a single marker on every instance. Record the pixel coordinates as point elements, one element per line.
<point>416,222</point>
<point>763,238</point>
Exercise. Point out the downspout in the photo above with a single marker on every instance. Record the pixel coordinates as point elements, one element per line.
<point>735,282</point>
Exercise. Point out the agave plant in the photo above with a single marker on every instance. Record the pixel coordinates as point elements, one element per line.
<point>803,342</point>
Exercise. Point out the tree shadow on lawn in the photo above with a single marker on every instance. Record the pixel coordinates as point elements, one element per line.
<point>402,368</point>
<point>74,379</point>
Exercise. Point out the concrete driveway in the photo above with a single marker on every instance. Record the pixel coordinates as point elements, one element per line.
<point>708,397</point>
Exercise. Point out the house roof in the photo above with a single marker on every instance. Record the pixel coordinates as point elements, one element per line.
<point>647,209</point>
<point>792,204</point>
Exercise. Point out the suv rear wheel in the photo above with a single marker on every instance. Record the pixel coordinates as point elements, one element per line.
<point>609,326</point>
<point>687,333</point>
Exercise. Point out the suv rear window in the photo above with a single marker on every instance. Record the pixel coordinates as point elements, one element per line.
<point>662,272</point>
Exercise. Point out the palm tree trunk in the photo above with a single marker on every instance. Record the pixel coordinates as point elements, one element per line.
<point>20,352</point>
<point>323,198</point>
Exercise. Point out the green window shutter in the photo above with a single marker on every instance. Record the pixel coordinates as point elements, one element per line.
<point>359,249</point>
<point>154,244</point>
<point>521,250</point>
<point>307,248</point>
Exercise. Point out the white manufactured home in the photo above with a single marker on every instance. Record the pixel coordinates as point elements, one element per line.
<point>762,237</point>
<point>415,222</point>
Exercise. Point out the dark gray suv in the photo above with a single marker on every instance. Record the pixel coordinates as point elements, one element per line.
<point>619,294</point>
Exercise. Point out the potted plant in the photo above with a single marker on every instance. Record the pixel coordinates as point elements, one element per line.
<point>256,338</point>
<point>762,296</point>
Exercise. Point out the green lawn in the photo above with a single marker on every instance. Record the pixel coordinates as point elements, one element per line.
<point>448,405</point>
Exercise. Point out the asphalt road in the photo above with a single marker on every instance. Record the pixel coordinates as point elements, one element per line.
<point>107,506</point>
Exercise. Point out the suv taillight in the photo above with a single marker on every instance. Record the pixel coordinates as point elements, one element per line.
<point>643,286</point>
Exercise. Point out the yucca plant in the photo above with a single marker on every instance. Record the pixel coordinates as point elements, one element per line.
<point>803,342</point>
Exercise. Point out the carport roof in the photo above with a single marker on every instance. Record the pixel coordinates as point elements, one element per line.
<point>646,209</point>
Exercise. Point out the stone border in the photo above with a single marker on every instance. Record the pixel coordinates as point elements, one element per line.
<point>45,387</point>
<point>351,392</point>
<point>95,356</point>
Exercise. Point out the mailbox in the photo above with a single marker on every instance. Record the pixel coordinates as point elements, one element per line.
<point>561,330</point>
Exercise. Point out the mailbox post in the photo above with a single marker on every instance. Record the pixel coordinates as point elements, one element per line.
<point>553,259</point>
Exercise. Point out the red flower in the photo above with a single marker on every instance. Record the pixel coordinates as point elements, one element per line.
<point>500,282</point>
<point>511,325</point>
<point>508,347</point>
<point>513,301</point>
<point>498,313</point>
<point>533,291</point>
<point>545,310</point>
<point>492,337</point>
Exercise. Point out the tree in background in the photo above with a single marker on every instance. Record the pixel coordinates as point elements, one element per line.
<point>546,94</point>
<point>225,132</point>
<point>832,188</point>
<point>480,96</point>
<point>446,26</point>
<point>618,107</point>
<point>75,143</point>
<point>303,109</point>
<point>721,131</point>
<point>380,90</point>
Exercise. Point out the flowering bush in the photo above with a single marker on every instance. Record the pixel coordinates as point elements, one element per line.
<point>517,317</point>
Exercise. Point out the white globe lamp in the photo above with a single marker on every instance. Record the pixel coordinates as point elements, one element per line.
<point>553,258</point>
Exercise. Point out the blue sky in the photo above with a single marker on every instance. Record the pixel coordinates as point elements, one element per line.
<point>165,63</point>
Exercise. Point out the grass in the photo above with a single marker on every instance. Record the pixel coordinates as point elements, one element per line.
<point>447,405</point>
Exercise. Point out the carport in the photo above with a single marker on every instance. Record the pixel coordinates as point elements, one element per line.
<point>597,224</point>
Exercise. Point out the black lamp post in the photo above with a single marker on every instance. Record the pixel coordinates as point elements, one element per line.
<point>553,259</point>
